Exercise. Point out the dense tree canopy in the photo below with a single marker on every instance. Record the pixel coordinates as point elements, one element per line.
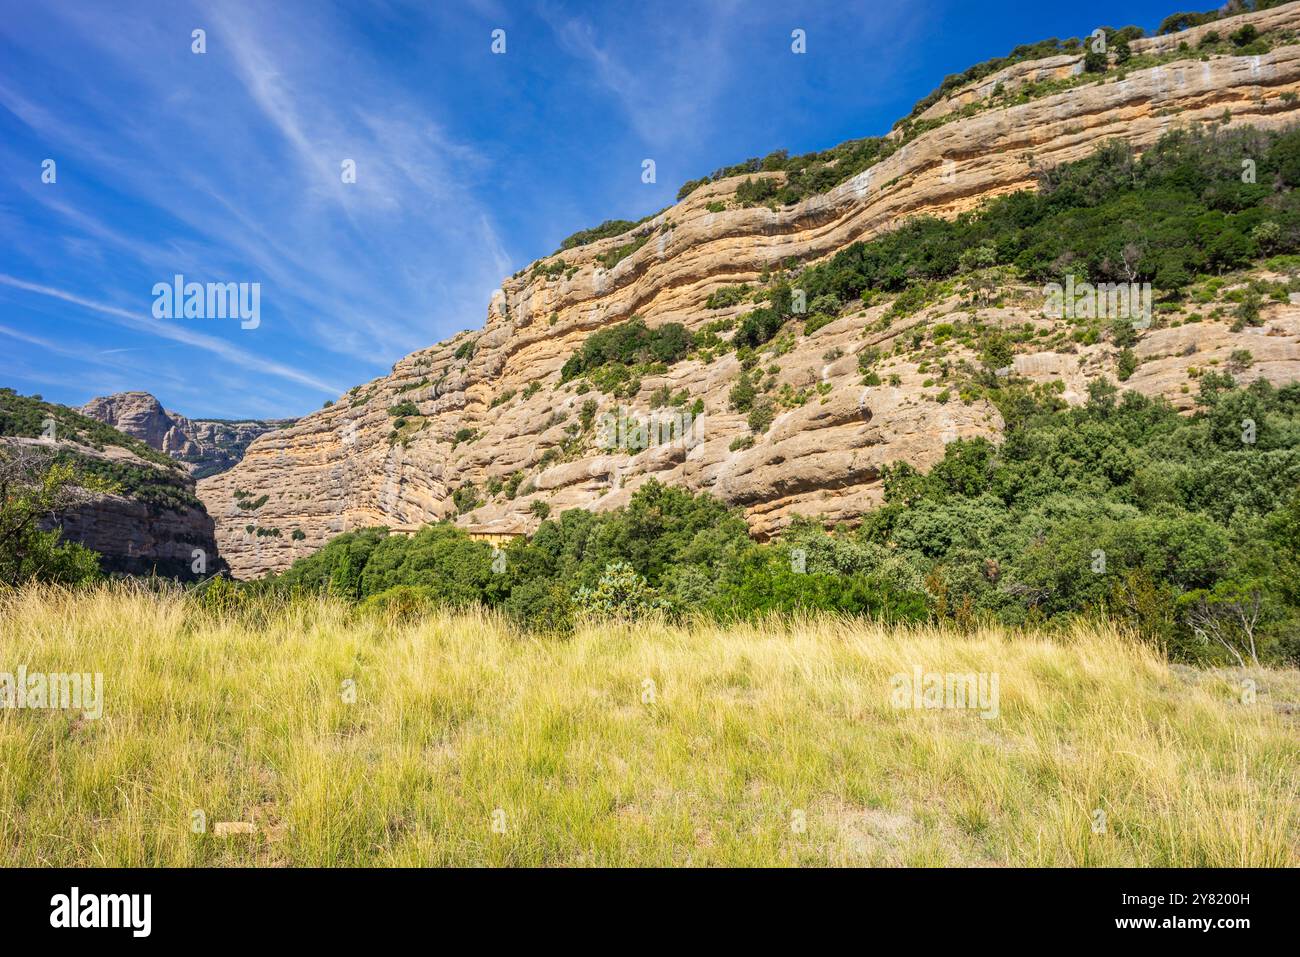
<point>1122,507</point>
<point>1196,202</point>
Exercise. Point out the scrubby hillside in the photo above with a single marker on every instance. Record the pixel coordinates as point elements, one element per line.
<point>144,519</point>
<point>823,332</point>
<point>1185,528</point>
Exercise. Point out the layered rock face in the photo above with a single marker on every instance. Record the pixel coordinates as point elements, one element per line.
<point>206,446</point>
<point>470,413</point>
<point>139,538</point>
<point>153,524</point>
<point>1012,78</point>
<point>140,415</point>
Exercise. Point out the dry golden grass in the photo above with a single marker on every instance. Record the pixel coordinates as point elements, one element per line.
<point>459,722</point>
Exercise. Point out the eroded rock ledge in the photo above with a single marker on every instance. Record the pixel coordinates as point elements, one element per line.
<point>346,467</point>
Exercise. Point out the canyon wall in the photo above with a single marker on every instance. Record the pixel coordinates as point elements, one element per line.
<point>475,410</point>
<point>150,523</point>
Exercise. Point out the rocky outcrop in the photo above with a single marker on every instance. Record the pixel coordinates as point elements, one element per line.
<point>135,537</point>
<point>149,523</point>
<point>1011,79</point>
<point>465,416</point>
<point>140,415</point>
<point>206,446</point>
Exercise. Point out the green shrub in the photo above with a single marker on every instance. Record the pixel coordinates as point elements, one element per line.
<point>753,191</point>
<point>761,416</point>
<point>465,498</point>
<point>1127,364</point>
<point>742,394</point>
<point>541,604</point>
<point>616,255</point>
<point>628,343</point>
<point>620,594</point>
<point>610,227</point>
<point>1245,35</point>
<point>727,296</point>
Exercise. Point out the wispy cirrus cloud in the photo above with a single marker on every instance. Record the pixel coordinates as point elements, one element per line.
<point>225,166</point>
<point>236,176</point>
<point>667,80</point>
<point>178,333</point>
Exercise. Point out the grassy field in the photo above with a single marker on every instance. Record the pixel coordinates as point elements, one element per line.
<point>468,744</point>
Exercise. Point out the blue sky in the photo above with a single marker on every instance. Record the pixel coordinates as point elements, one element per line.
<point>226,166</point>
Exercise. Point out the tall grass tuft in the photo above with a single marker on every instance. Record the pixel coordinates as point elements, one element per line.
<point>353,737</point>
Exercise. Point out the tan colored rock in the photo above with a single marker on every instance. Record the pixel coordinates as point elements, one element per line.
<point>204,446</point>
<point>346,467</point>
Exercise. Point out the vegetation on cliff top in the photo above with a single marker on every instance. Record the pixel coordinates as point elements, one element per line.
<point>820,170</point>
<point>805,175</point>
<point>1184,207</point>
<point>1177,22</point>
<point>27,416</point>
<point>610,227</point>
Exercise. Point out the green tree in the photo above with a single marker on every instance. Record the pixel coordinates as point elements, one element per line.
<point>742,394</point>
<point>34,490</point>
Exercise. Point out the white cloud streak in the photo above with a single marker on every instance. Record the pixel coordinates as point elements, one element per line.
<point>168,330</point>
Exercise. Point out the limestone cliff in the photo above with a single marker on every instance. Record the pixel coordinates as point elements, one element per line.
<point>481,428</point>
<point>150,523</point>
<point>205,446</point>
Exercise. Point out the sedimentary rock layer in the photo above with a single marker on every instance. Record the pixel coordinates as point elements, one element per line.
<point>488,404</point>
